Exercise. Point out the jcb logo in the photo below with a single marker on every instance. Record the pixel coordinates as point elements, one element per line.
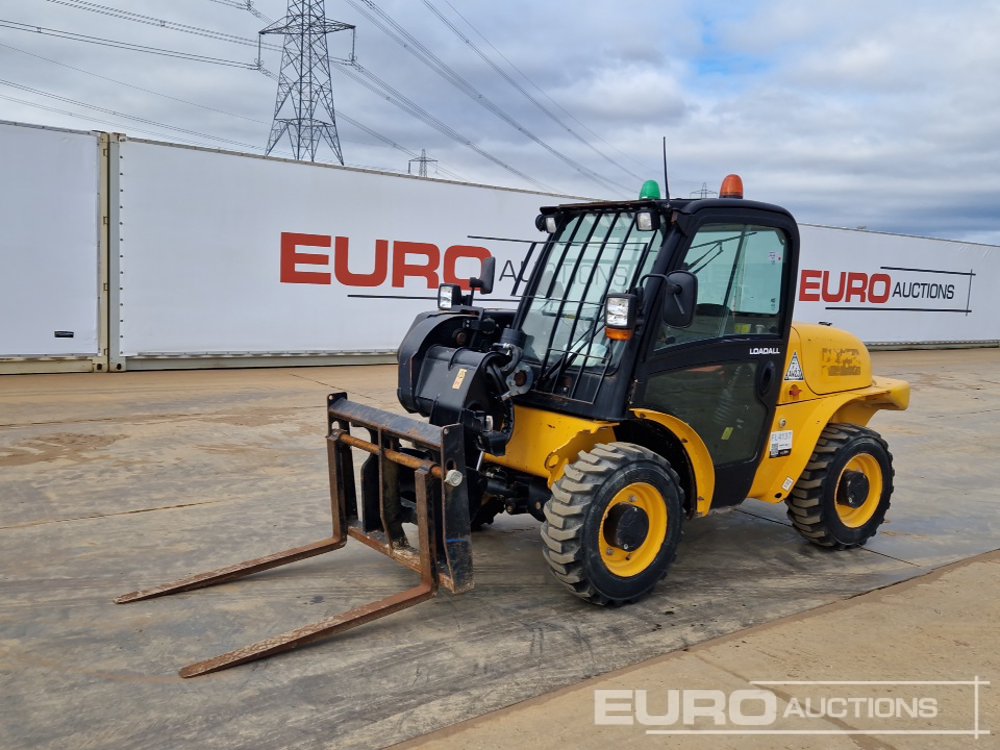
<point>420,260</point>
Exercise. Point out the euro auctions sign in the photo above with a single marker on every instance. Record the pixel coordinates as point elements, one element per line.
<point>859,288</point>
<point>799,708</point>
<point>896,289</point>
<point>423,261</point>
<point>230,254</point>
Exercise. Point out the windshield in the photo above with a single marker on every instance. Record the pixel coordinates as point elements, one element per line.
<point>592,255</point>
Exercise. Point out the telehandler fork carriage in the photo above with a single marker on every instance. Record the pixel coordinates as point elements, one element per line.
<point>441,512</point>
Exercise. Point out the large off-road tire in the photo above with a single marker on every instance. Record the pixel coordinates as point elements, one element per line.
<point>613,523</point>
<point>842,497</point>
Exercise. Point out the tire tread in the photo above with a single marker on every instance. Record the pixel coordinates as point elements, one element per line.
<point>563,529</point>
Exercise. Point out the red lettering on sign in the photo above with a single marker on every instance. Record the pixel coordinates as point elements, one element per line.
<point>886,281</point>
<point>410,260</point>
<point>455,253</point>
<point>346,277</point>
<point>809,286</point>
<point>402,268</point>
<point>291,258</point>
<point>851,286</point>
<point>857,284</point>
<point>829,296</point>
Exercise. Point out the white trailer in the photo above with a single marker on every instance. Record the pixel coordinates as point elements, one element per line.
<point>53,249</point>
<point>223,259</point>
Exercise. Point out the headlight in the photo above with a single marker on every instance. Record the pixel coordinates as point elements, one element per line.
<point>449,295</point>
<point>647,221</point>
<point>619,316</point>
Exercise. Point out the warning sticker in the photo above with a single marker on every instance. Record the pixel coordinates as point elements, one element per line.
<point>781,443</point>
<point>794,369</point>
<point>787,484</point>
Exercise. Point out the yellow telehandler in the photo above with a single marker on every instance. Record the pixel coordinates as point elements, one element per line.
<point>650,374</point>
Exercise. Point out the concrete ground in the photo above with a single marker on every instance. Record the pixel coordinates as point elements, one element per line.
<point>111,482</point>
<point>937,627</point>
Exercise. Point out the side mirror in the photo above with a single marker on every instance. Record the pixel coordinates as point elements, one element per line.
<point>485,281</point>
<point>682,295</point>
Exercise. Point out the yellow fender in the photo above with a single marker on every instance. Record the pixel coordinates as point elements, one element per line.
<point>807,419</point>
<point>697,453</point>
<point>545,442</point>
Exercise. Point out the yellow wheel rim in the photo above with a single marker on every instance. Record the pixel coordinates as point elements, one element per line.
<point>856,517</point>
<point>633,562</point>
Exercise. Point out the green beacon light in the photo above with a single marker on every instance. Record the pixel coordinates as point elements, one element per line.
<point>650,191</point>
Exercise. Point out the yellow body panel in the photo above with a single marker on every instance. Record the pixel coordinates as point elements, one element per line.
<point>544,442</point>
<point>827,378</point>
<point>697,452</point>
<point>831,360</point>
<point>833,383</point>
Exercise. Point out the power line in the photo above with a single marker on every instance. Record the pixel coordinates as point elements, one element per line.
<point>704,191</point>
<point>361,75</point>
<point>393,144</point>
<point>361,126</point>
<point>412,45</point>
<point>507,77</point>
<point>58,33</point>
<point>355,123</point>
<point>130,85</point>
<point>128,15</point>
<point>245,5</point>
<point>40,92</point>
<point>382,89</point>
<point>538,88</point>
<point>92,119</point>
<point>370,131</point>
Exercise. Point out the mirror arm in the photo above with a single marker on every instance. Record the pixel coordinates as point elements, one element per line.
<point>674,292</point>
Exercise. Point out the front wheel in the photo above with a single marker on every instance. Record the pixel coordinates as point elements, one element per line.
<point>843,495</point>
<point>613,523</point>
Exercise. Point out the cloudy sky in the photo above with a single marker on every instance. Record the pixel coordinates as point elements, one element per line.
<point>876,113</point>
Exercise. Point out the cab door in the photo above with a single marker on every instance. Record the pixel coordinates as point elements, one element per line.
<point>723,373</point>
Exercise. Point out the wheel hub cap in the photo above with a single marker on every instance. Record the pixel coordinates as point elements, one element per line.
<point>853,489</point>
<point>626,526</point>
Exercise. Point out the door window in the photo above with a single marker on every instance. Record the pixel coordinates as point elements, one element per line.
<point>740,268</point>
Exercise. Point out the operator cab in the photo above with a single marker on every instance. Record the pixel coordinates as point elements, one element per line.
<point>677,306</point>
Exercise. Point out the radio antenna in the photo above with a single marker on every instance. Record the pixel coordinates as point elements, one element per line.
<point>666,182</point>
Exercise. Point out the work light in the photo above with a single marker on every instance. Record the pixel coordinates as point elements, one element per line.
<point>619,316</point>
<point>449,295</point>
<point>645,221</point>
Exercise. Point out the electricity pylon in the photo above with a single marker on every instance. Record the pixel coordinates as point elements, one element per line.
<point>303,108</point>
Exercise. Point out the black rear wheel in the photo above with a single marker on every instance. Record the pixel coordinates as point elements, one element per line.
<point>842,497</point>
<point>613,523</point>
